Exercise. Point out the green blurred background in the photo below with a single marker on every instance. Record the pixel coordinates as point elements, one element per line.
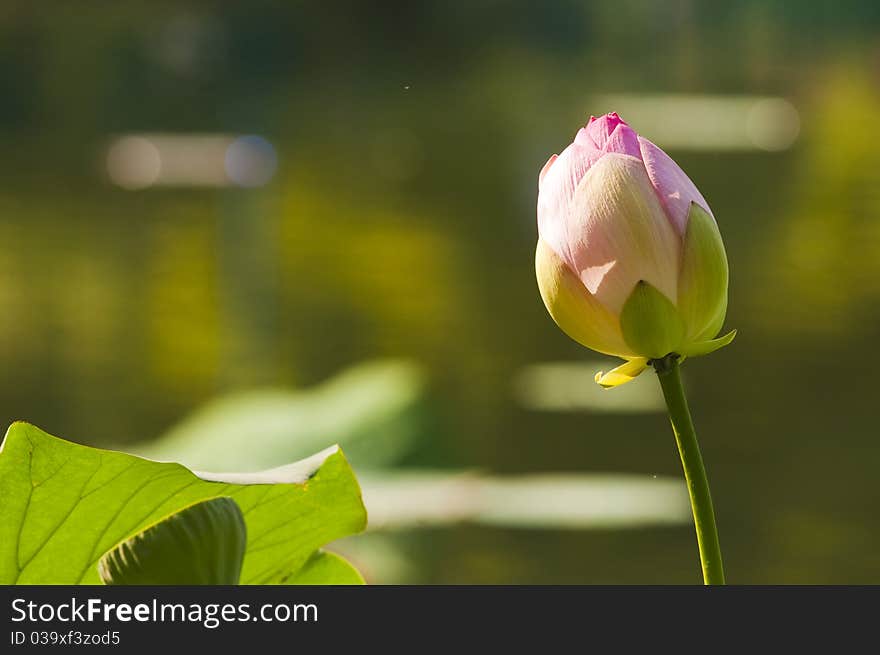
<point>153,260</point>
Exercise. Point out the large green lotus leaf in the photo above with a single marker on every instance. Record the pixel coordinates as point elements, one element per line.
<point>325,566</point>
<point>63,505</point>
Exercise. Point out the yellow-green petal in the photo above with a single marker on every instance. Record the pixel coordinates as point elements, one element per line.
<point>702,284</point>
<point>580,315</point>
<point>623,373</point>
<point>650,323</point>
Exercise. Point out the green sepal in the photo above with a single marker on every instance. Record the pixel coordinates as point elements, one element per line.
<point>202,544</point>
<point>702,284</point>
<point>699,348</point>
<point>650,323</point>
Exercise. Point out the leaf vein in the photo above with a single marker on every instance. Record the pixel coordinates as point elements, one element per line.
<point>27,507</point>
<point>113,518</point>
<point>64,520</point>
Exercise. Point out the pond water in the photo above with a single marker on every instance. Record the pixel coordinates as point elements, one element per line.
<point>388,212</point>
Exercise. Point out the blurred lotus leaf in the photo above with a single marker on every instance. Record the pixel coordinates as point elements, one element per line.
<point>375,411</point>
<point>63,505</point>
<point>556,501</point>
<point>202,544</point>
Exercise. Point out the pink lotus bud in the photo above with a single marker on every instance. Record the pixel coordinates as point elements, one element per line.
<point>630,261</point>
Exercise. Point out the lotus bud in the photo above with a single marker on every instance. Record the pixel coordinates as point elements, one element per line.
<point>629,261</point>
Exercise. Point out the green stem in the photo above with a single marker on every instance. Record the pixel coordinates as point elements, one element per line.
<point>668,372</point>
